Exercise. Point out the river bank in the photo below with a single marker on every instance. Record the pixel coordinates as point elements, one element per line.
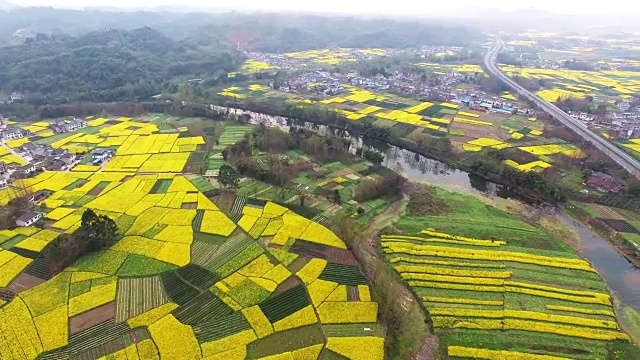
<point>599,227</point>
<point>621,276</point>
<point>465,165</point>
<point>421,167</point>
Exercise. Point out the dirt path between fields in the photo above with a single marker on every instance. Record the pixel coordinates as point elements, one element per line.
<point>429,350</point>
<point>388,217</point>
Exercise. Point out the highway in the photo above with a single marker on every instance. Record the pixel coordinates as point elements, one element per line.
<point>619,156</point>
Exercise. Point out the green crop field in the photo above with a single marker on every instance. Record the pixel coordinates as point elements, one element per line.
<point>496,287</point>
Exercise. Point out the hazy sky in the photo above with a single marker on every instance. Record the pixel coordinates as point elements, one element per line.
<point>415,7</point>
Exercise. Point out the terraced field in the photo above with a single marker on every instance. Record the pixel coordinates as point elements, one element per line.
<point>496,287</point>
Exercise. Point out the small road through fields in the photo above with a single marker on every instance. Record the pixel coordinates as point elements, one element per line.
<point>389,216</point>
<point>616,154</point>
<point>10,150</point>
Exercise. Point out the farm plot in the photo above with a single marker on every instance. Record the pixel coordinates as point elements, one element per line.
<point>468,128</point>
<point>575,83</point>
<point>230,135</point>
<point>139,146</point>
<point>188,276</point>
<point>508,290</point>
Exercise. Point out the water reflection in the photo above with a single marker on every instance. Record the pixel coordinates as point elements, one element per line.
<point>419,168</point>
<point>621,276</point>
<point>413,166</point>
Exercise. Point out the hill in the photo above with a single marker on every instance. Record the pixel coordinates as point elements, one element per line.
<point>106,65</point>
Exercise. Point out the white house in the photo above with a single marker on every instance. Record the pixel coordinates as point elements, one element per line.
<point>68,125</point>
<point>101,154</point>
<point>624,105</point>
<point>29,218</point>
<point>11,133</point>
<point>16,96</point>
<point>27,169</point>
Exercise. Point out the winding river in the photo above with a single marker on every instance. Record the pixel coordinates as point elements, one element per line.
<point>621,277</point>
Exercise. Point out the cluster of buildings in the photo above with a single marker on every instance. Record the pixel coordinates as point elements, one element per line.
<point>621,123</point>
<point>41,157</point>
<point>482,102</point>
<point>63,126</point>
<point>44,159</point>
<point>10,132</point>
<point>333,56</point>
<point>445,89</point>
<point>13,133</point>
<point>621,126</point>
<point>407,84</point>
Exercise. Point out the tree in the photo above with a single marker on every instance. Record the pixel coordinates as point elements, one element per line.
<point>97,231</point>
<point>228,176</point>
<point>302,197</point>
<point>336,197</point>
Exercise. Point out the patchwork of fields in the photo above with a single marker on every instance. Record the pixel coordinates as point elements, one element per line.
<point>321,184</point>
<point>190,278</point>
<point>602,85</point>
<point>306,58</point>
<point>139,146</point>
<point>631,145</point>
<point>469,130</point>
<point>496,287</point>
<point>237,276</point>
<point>576,83</point>
<point>230,135</point>
<point>224,277</point>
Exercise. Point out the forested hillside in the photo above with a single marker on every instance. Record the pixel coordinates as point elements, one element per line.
<point>57,56</point>
<point>107,65</point>
<point>256,32</point>
<point>286,32</point>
